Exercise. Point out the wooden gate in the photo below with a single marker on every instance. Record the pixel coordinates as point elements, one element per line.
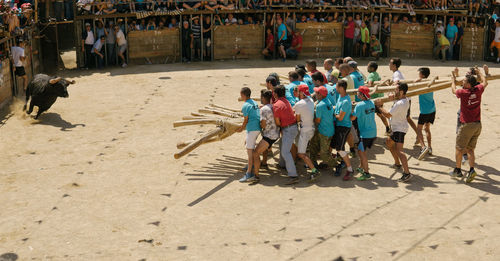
<point>238,41</point>
<point>321,39</point>
<point>412,40</point>
<point>5,82</point>
<point>160,44</point>
<point>473,44</point>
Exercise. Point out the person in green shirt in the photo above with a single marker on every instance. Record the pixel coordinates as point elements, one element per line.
<point>375,46</point>
<point>373,76</point>
<point>365,38</point>
<point>442,46</point>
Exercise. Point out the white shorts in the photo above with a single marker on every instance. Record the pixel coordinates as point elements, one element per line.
<point>305,136</point>
<point>252,139</point>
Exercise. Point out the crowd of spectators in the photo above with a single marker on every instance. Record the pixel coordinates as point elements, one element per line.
<point>14,17</point>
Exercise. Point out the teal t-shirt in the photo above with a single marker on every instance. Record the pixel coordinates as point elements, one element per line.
<point>289,92</point>
<point>358,80</point>
<point>282,30</point>
<point>365,114</point>
<point>308,80</point>
<point>344,104</point>
<point>251,110</point>
<point>324,111</point>
<point>426,102</point>
<point>333,95</point>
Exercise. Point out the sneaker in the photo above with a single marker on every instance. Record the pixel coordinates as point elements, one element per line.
<point>430,151</point>
<point>253,179</point>
<point>348,175</point>
<point>396,166</point>
<point>338,171</point>
<point>364,176</point>
<point>405,177</point>
<point>124,65</point>
<point>292,180</point>
<point>314,175</point>
<point>470,176</point>
<point>423,151</point>
<point>457,173</point>
<point>283,60</point>
<point>247,177</point>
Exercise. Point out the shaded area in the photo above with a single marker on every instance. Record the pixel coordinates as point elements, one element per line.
<point>54,119</point>
<point>8,257</point>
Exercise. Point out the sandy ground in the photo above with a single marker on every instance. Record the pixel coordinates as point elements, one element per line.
<point>95,179</point>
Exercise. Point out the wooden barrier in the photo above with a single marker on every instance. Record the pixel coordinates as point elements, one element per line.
<point>412,40</point>
<point>473,44</point>
<point>321,39</point>
<point>5,82</point>
<point>160,44</point>
<point>238,41</point>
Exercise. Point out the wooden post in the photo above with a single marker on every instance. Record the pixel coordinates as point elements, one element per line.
<point>180,38</point>
<point>201,37</point>
<point>212,37</point>
<point>126,37</point>
<point>57,45</point>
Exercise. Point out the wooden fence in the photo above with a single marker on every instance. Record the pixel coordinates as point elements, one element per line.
<point>412,40</point>
<point>321,39</point>
<point>473,44</point>
<point>159,44</point>
<point>5,82</point>
<point>238,41</point>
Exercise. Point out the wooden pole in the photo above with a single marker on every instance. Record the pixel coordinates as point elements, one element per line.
<point>195,122</point>
<point>222,107</point>
<point>195,144</point>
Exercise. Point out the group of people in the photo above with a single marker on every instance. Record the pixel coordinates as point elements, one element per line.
<point>316,114</point>
<point>104,45</point>
<point>15,17</point>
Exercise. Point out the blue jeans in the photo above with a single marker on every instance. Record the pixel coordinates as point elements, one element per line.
<point>287,139</point>
<point>449,53</point>
<point>68,9</point>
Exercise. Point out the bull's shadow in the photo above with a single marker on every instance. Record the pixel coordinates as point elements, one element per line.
<point>54,119</point>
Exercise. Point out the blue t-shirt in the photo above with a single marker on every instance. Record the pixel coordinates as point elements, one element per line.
<point>451,30</point>
<point>365,115</point>
<point>289,92</point>
<point>324,111</point>
<point>426,103</point>
<point>308,80</point>
<point>344,104</point>
<point>358,80</point>
<point>333,95</point>
<point>282,30</point>
<point>251,110</point>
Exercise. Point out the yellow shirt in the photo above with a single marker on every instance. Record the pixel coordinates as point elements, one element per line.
<point>443,41</point>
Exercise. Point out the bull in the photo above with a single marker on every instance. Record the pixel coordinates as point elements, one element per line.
<point>44,90</point>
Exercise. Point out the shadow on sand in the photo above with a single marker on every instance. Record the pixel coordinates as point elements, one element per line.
<point>54,119</point>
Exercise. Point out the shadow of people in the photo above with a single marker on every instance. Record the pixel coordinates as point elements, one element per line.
<point>8,257</point>
<point>54,119</point>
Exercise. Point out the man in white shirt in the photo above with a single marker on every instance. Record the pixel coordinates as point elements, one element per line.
<point>96,51</point>
<point>304,113</point>
<point>18,58</point>
<point>397,76</point>
<point>399,126</point>
<point>122,44</point>
<point>87,45</point>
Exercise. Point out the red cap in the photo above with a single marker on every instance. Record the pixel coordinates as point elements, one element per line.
<point>321,90</point>
<point>365,90</point>
<point>305,89</point>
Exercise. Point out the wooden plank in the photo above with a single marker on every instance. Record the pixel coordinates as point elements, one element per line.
<point>412,40</point>
<point>473,44</point>
<point>321,40</point>
<point>249,39</point>
<point>158,43</point>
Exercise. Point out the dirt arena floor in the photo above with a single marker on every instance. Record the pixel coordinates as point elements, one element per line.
<point>95,179</point>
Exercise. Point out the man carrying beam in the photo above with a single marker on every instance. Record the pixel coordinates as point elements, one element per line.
<point>470,119</point>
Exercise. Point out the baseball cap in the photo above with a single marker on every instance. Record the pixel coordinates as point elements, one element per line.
<point>272,80</point>
<point>87,24</point>
<point>440,22</point>
<point>452,19</point>
<point>364,90</point>
<point>321,90</point>
<point>353,64</point>
<point>305,89</point>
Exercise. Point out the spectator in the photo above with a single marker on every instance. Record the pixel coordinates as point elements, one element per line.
<point>212,5</point>
<point>385,36</point>
<point>442,46</point>
<point>375,26</point>
<point>303,19</point>
<point>282,37</point>
<point>187,42</point>
<point>365,39</point>
<point>312,18</point>
<point>496,41</point>
<point>357,34</point>
<point>87,44</point>
<point>458,41</point>
<point>100,31</point>
<point>173,23</point>
<point>230,19</point>
<point>328,66</point>
<point>191,5</point>
<point>110,44</point>
<point>375,47</point>
<point>196,30</point>
<point>151,25</point>
<point>109,7</point>
<point>349,26</point>
<point>96,51</point>
<point>484,7</point>
<point>296,47</point>
<point>440,27</point>
<point>207,39</point>
<point>269,49</point>
<point>17,60</point>
<point>122,45</point>
<point>451,35</point>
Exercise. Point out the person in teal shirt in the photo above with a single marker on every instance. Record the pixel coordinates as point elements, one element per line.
<point>251,122</point>
<point>343,125</point>
<point>373,77</point>
<point>364,114</point>
<point>427,115</point>
<point>333,95</point>
<point>293,77</point>
<point>356,76</point>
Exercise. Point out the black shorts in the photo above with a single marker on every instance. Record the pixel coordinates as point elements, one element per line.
<point>426,118</point>
<point>20,71</point>
<point>284,43</point>
<point>366,143</point>
<point>409,109</point>
<point>269,141</point>
<point>355,125</point>
<point>398,137</point>
<point>340,138</point>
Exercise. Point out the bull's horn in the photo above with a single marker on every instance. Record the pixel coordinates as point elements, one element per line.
<point>55,80</point>
<point>72,82</point>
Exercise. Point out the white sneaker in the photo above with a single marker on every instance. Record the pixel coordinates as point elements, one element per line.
<point>423,152</point>
<point>124,65</point>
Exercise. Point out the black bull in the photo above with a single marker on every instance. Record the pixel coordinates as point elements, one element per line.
<point>44,91</point>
